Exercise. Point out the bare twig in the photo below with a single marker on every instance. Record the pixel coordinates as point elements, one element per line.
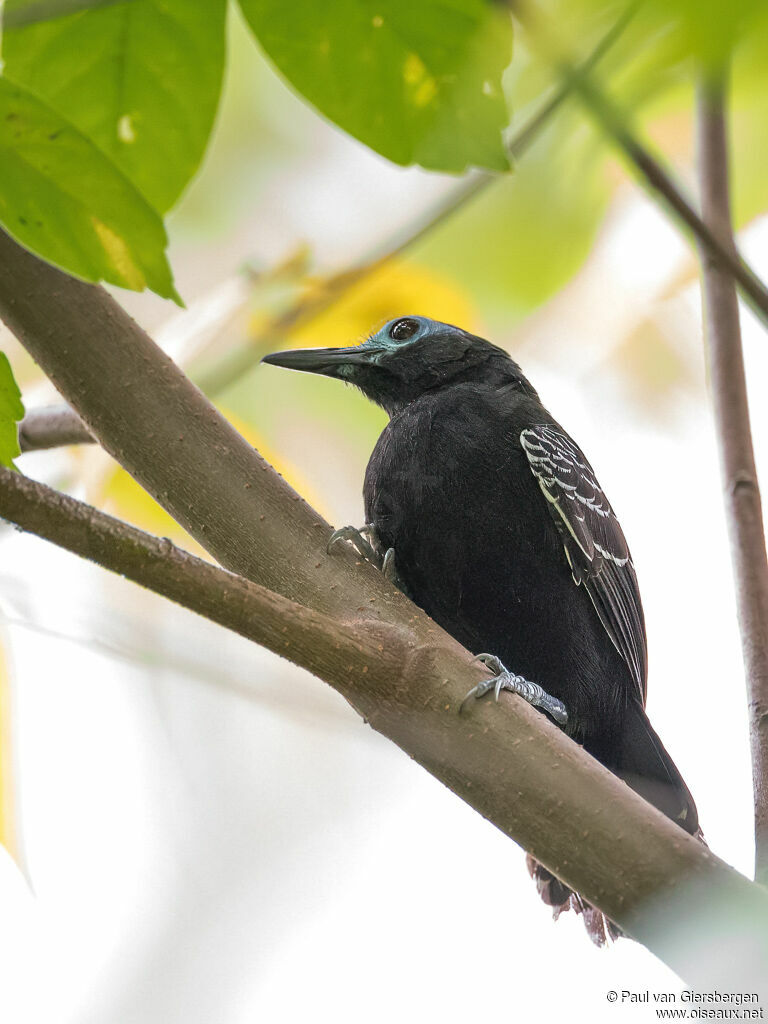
<point>407,678</point>
<point>740,485</point>
<point>51,427</point>
<point>656,177</point>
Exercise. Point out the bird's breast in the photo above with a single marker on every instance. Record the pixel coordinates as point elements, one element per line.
<point>455,498</point>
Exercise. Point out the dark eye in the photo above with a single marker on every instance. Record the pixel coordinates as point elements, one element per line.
<point>403,329</point>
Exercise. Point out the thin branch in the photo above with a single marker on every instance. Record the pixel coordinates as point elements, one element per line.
<point>253,611</point>
<point>52,427</point>
<point>741,492</point>
<point>408,678</point>
<point>656,177</point>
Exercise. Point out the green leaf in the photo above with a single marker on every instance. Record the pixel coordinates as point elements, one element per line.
<point>141,79</point>
<point>419,81</point>
<point>11,411</point>
<point>62,198</point>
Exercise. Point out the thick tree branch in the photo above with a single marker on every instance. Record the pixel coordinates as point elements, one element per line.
<point>52,427</point>
<point>408,680</point>
<point>740,486</point>
<point>161,428</point>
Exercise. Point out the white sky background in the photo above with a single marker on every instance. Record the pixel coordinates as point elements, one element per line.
<point>214,836</point>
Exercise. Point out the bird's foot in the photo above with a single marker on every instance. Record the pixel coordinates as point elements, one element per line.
<point>367,544</point>
<point>364,540</point>
<point>505,680</point>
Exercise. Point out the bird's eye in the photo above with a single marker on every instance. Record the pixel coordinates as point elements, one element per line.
<point>403,330</point>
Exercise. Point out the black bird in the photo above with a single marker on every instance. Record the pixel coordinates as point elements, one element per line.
<point>502,534</point>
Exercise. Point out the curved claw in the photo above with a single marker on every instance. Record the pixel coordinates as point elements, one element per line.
<point>478,691</point>
<point>558,711</point>
<point>369,546</point>
<point>472,693</point>
<point>356,538</point>
<point>388,566</point>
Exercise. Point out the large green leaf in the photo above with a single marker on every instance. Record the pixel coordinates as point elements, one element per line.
<point>62,198</point>
<point>11,411</point>
<point>419,81</point>
<point>141,79</point>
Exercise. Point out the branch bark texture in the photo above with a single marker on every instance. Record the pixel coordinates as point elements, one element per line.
<point>142,409</point>
<point>408,680</point>
<point>741,491</point>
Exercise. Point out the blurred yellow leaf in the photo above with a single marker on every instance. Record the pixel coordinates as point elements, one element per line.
<point>394,290</point>
<point>9,834</point>
<point>654,370</point>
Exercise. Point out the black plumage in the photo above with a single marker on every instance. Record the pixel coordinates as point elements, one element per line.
<point>503,535</point>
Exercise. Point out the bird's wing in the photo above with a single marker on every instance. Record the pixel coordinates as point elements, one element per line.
<point>594,543</point>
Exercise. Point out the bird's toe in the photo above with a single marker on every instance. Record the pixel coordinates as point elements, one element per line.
<point>357,538</point>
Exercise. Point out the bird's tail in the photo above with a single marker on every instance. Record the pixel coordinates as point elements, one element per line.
<point>560,897</point>
<point>640,759</point>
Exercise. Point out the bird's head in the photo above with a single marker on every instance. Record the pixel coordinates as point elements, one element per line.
<point>408,357</point>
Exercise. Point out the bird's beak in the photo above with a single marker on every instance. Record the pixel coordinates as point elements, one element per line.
<point>322,360</point>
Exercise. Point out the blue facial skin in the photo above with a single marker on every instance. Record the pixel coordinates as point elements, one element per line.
<point>425,328</point>
<point>406,357</point>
